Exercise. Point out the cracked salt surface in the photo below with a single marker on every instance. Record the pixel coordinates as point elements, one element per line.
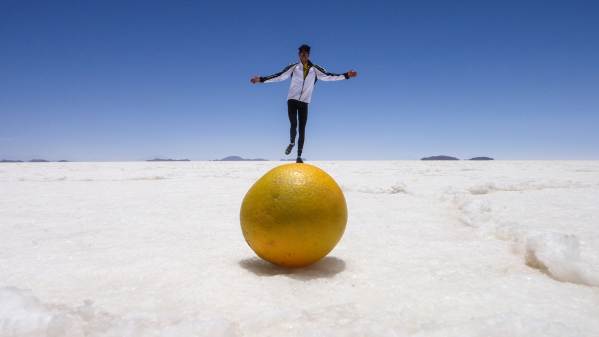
<point>431,249</point>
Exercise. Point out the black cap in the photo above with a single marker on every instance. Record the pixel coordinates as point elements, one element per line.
<point>305,48</point>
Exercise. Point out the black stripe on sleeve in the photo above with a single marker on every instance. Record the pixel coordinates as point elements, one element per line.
<point>322,70</point>
<point>270,77</point>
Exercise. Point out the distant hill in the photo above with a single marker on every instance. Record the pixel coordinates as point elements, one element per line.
<point>481,158</point>
<point>441,157</point>
<point>238,158</point>
<point>167,159</point>
<point>10,161</point>
<point>39,161</point>
<point>64,161</point>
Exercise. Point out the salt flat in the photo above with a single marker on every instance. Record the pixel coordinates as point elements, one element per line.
<point>502,248</point>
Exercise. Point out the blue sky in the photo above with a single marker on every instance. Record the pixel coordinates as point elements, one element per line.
<point>131,80</point>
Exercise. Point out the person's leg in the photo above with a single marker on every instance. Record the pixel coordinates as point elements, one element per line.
<point>303,118</point>
<point>292,113</point>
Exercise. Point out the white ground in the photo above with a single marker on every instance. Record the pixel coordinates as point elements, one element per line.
<point>431,249</point>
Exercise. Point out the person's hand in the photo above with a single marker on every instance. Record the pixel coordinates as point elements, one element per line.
<point>352,73</point>
<point>255,79</point>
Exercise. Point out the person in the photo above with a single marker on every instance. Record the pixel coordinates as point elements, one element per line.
<point>304,75</point>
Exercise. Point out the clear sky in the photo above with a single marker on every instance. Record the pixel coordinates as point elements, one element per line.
<point>131,80</point>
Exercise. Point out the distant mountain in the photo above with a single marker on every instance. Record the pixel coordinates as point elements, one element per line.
<point>167,159</point>
<point>238,158</point>
<point>10,161</point>
<point>441,157</point>
<point>64,161</point>
<point>39,161</point>
<point>481,158</point>
<point>293,159</point>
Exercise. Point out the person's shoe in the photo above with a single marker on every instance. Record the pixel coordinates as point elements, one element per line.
<point>289,148</point>
<point>299,160</point>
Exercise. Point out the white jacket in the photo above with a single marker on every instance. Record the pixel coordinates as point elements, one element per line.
<point>301,88</point>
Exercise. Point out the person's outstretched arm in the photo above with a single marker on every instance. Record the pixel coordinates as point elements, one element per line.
<point>324,75</point>
<point>280,76</point>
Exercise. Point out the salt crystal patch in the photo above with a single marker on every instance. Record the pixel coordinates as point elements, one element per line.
<point>23,315</point>
<point>475,213</point>
<point>559,256</point>
<point>482,189</point>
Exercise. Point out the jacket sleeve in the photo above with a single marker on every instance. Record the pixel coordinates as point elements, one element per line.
<point>280,76</point>
<point>324,75</point>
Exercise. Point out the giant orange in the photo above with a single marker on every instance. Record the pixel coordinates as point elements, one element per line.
<point>294,215</point>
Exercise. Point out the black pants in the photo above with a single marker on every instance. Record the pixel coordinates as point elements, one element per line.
<point>297,109</point>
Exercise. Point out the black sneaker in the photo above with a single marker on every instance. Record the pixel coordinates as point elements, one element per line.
<point>289,148</point>
<point>299,160</point>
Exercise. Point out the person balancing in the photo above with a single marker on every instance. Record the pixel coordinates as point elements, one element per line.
<point>304,75</point>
